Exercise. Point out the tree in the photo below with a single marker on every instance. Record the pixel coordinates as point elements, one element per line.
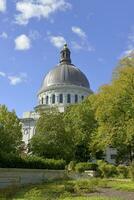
<point>80,122</point>
<point>114,111</point>
<point>10,131</point>
<point>51,140</point>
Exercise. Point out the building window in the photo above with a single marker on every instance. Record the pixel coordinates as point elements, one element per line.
<point>82,97</point>
<point>42,100</point>
<point>47,98</point>
<point>76,98</point>
<point>53,98</point>
<point>68,98</point>
<point>61,98</point>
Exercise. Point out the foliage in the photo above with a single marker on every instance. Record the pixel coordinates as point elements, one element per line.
<point>106,170</point>
<point>33,194</point>
<point>124,62</point>
<point>10,131</point>
<point>114,111</point>
<point>84,186</point>
<point>123,171</point>
<point>65,135</point>
<point>67,189</point>
<point>30,162</point>
<point>71,166</point>
<point>81,167</point>
<point>51,140</point>
<point>132,171</point>
<point>80,122</point>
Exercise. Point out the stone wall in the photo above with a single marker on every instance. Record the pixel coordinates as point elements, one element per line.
<point>19,177</point>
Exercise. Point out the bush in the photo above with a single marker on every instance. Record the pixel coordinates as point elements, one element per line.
<point>81,167</point>
<point>106,170</point>
<point>123,171</point>
<point>30,162</point>
<point>84,186</point>
<point>71,166</point>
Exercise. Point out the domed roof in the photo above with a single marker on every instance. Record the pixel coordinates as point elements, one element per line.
<point>64,74</point>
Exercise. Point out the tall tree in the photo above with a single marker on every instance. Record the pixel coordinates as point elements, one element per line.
<point>114,110</point>
<point>51,140</point>
<point>80,122</point>
<point>10,131</point>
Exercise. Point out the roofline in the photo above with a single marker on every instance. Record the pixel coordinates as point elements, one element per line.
<point>61,86</point>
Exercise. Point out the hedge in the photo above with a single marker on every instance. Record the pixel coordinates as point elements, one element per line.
<point>81,167</point>
<point>30,162</point>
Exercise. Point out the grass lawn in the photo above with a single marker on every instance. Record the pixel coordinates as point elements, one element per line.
<point>122,185</point>
<point>66,190</point>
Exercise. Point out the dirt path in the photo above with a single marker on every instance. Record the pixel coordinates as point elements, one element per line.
<point>108,192</point>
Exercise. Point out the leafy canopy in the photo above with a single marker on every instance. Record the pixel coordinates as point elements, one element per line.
<point>10,131</point>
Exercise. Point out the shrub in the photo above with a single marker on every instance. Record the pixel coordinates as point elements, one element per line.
<point>123,171</point>
<point>69,187</point>
<point>106,170</point>
<point>71,166</point>
<point>81,167</point>
<point>84,186</point>
<point>30,162</point>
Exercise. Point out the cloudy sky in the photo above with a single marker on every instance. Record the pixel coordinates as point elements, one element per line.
<point>32,32</point>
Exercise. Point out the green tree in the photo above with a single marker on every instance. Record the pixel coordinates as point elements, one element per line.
<point>114,111</point>
<point>80,122</point>
<point>51,140</point>
<point>10,131</point>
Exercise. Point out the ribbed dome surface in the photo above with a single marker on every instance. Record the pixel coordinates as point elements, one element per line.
<point>64,74</point>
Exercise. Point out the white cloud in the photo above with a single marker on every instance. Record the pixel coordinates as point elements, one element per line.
<point>2,5</point>
<point>57,41</point>
<point>38,9</point>
<point>129,51</point>
<point>14,80</point>
<point>82,45</point>
<point>79,32</point>
<point>22,42</point>
<point>2,74</point>
<point>3,35</point>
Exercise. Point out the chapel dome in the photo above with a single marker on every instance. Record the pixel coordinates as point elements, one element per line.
<point>64,74</point>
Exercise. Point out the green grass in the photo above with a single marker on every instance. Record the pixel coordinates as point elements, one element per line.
<point>122,185</point>
<point>66,190</point>
<point>91,198</point>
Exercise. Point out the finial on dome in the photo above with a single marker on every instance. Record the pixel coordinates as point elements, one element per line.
<point>65,55</point>
<point>65,46</point>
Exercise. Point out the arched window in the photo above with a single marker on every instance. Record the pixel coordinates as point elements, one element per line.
<point>68,98</point>
<point>61,98</point>
<point>76,98</point>
<point>82,97</point>
<point>47,98</point>
<point>53,98</point>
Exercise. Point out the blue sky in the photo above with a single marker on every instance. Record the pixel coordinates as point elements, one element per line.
<point>32,32</point>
